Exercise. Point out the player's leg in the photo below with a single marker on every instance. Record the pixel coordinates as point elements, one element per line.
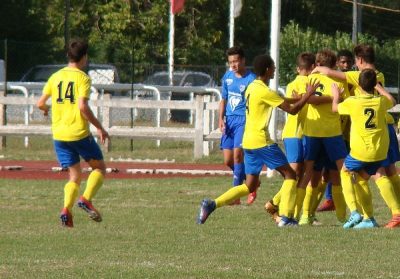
<point>288,196</point>
<point>90,151</point>
<point>393,157</point>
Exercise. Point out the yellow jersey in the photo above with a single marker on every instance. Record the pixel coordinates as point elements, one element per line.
<point>320,121</point>
<point>352,78</point>
<point>65,87</point>
<point>260,101</point>
<point>369,138</point>
<point>294,123</point>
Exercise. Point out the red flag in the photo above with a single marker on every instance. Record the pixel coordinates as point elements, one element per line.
<point>177,6</point>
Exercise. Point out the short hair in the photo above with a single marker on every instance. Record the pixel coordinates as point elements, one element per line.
<point>77,48</point>
<point>235,50</point>
<point>305,60</point>
<point>366,52</point>
<point>326,57</point>
<point>345,53</point>
<point>367,80</point>
<point>261,63</point>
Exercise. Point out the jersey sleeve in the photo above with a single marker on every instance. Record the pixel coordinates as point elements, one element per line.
<point>387,104</point>
<point>47,87</point>
<point>272,98</point>
<point>83,88</point>
<point>352,77</point>
<point>344,107</point>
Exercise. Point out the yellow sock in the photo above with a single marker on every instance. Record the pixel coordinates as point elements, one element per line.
<point>93,184</point>
<point>300,194</point>
<point>71,192</point>
<point>340,204</point>
<point>388,194</point>
<point>288,198</point>
<point>314,201</point>
<point>232,194</point>
<point>363,195</point>
<point>395,179</point>
<point>307,201</point>
<point>276,200</point>
<point>320,194</point>
<point>348,190</point>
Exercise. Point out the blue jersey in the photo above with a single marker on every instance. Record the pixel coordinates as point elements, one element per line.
<point>233,89</point>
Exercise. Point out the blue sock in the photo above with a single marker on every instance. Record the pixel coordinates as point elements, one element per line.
<point>238,174</point>
<point>328,191</point>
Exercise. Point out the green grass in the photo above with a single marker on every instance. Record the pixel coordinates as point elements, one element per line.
<point>149,231</point>
<point>41,148</point>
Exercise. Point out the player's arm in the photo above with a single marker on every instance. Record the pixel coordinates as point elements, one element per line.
<point>329,72</point>
<point>87,113</point>
<point>336,97</point>
<point>41,104</point>
<point>317,100</point>
<point>221,115</point>
<point>296,107</point>
<point>295,96</point>
<point>382,91</point>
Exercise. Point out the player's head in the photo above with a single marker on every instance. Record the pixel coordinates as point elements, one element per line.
<point>264,66</point>
<point>367,80</point>
<point>364,54</point>
<point>305,62</point>
<point>326,57</point>
<point>77,50</point>
<point>236,60</point>
<point>345,60</point>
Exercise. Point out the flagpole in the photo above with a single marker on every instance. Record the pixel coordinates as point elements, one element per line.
<point>231,23</point>
<point>171,45</point>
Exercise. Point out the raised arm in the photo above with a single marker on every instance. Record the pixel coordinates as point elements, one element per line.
<point>336,97</point>
<point>329,72</point>
<point>382,91</point>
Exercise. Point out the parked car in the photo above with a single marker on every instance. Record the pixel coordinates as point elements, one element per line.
<point>99,73</point>
<point>181,78</point>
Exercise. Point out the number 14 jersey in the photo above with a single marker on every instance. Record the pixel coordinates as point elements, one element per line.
<point>65,87</point>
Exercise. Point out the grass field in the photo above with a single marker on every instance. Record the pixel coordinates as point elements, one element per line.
<point>149,231</point>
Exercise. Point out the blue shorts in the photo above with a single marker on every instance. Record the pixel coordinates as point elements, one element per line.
<point>323,162</point>
<point>356,165</point>
<point>233,134</point>
<point>294,150</point>
<point>271,156</point>
<point>69,152</point>
<point>334,147</point>
<point>393,152</point>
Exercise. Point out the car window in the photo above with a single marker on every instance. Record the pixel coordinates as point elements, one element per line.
<point>163,79</point>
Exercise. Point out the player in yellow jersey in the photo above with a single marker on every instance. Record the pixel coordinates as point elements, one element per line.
<point>293,131</point>
<point>322,134</point>
<point>388,179</point>
<point>369,143</point>
<point>69,90</point>
<point>259,149</point>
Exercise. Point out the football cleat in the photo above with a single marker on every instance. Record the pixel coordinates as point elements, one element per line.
<point>394,222</point>
<point>327,205</point>
<point>66,218</point>
<point>354,219</point>
<point>287,222</point>
<point>88,207</point>
<point>251,197</point>
<point>206,208</point>
<point>367,224</point>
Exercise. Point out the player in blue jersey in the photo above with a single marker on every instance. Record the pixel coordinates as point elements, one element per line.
<point>232,115</point>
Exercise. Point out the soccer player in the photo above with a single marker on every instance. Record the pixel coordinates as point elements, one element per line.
<point>293,131</point>
<point>369,142</point>
<point>322,133</point>
<point>69,90</point>
<point>259,149</point>
<point>232,115</point>
<point>344,63</point>
<point>387,180</point>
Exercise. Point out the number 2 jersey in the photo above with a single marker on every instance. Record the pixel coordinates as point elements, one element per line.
<point>65,87</point>
<point>369,139</point>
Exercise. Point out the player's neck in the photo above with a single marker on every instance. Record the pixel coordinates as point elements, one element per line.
<point>240,73</point>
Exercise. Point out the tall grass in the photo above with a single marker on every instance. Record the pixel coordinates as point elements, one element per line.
<point>149,231</point>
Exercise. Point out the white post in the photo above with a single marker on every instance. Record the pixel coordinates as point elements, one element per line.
<point>171,51</point>
<point>231,23</point>
<point>274,52</point>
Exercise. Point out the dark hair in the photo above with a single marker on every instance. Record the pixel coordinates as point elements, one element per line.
<point>326,57</point>
<point>366,52</point>
<point>261,63</point>
<point>305,60</point>
<point>345,53</point>
<point>367,80</point>
<point>235,50</point>
<point>77,48</point>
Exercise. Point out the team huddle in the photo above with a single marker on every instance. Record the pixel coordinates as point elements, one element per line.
<point>338,133</point>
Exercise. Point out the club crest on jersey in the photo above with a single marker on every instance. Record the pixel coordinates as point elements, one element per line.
<point>234,100</point>
<point>229,81</point>
<point>242,87</point>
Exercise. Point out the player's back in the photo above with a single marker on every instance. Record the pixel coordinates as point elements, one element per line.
<point>65,87</point>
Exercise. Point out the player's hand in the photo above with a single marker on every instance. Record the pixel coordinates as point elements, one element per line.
<point>103,135</point>
<point>312,86</point>
<point>295,94</point>
<point>221,125</point>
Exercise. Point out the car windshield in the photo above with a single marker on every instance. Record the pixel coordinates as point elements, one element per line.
<point>163,80</point>
<point>41,74</point>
